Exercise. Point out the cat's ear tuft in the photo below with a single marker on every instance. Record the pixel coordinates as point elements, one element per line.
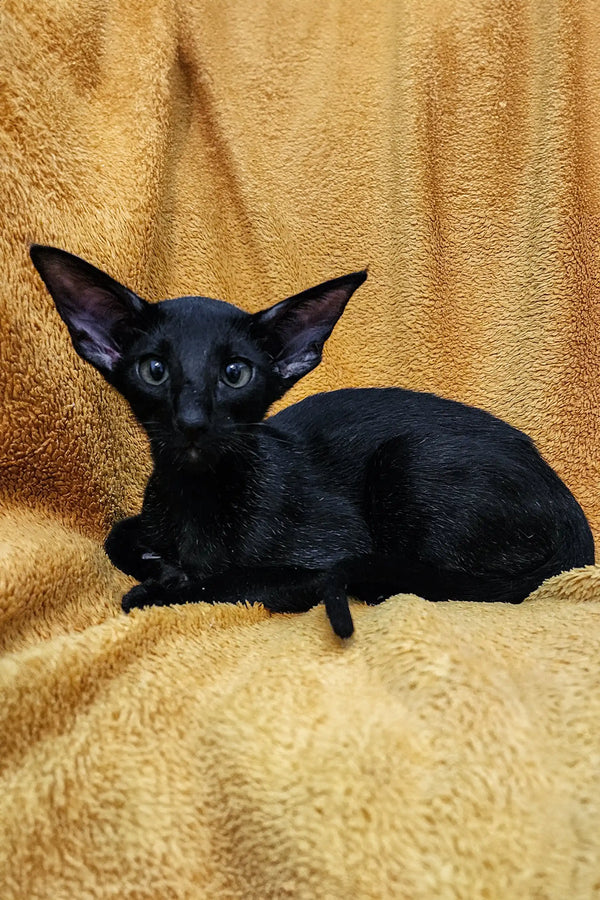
<point>294,331</point>
<point>98,311</point>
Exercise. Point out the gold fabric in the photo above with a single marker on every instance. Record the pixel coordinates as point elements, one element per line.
<point>247,151</point>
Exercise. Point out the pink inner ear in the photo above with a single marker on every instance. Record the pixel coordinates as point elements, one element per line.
<point>94,319</point>
<point>296,342</point>
<point>97,309</point>
<point>100,308</point>
<point>310,321</point>
<point>102,355</point>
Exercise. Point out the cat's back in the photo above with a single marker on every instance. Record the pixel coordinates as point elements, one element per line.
<point>366,417</point>
<point>432,459</point>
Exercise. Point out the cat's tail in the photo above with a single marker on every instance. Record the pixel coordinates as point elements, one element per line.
<point>338,610</point>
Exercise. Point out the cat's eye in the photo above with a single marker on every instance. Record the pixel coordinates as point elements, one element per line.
<point>153,371</point>
<point>236,373</point>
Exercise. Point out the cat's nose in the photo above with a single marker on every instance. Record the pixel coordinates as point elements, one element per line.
<point>192,423</point>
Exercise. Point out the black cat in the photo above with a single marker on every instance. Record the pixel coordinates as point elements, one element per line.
<point>369,492</point>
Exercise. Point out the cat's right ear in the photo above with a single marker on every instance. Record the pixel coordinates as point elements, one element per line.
<point>97,310</point>
<point>294,331</point>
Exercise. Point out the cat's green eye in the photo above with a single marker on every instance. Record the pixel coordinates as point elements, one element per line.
<point>153,371</point>
<point>236,373</point>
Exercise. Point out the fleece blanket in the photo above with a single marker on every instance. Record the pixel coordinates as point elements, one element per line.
<point>246,151</point>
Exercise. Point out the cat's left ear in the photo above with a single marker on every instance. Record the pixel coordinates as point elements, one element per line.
<point>294,331</point>
<point>99,312</point>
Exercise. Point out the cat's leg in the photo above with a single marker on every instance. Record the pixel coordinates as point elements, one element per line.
<point>453,530</point>
<point>376,577</point>
<point>122,546</point>
<point>284,589</point>
<point>127,550</point>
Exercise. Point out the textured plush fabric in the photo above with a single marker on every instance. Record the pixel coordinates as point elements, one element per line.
<point>247,151</point>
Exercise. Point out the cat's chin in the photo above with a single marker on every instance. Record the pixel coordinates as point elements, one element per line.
<point>198,459</point>
<point>193,455</point>
<point>195,460</point>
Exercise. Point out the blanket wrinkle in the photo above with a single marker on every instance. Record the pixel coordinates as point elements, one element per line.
<point>248,151</point>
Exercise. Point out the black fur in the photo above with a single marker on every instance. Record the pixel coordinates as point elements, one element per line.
<point>369,492</point>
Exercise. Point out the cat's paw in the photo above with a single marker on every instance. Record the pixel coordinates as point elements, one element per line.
<point>148,593</point>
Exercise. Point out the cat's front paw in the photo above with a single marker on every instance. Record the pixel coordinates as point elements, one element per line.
<point>148,593</point>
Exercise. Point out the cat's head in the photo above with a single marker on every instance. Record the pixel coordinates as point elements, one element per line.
<point>192,368</point>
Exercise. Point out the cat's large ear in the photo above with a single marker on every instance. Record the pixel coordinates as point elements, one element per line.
<point>294,331</point>
<point>97,310</point>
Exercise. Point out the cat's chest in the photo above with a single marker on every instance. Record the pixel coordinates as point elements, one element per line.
<point>210,527</point>
<point>198,552</point>
<point>203,528</point>
<point>277,515</point>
